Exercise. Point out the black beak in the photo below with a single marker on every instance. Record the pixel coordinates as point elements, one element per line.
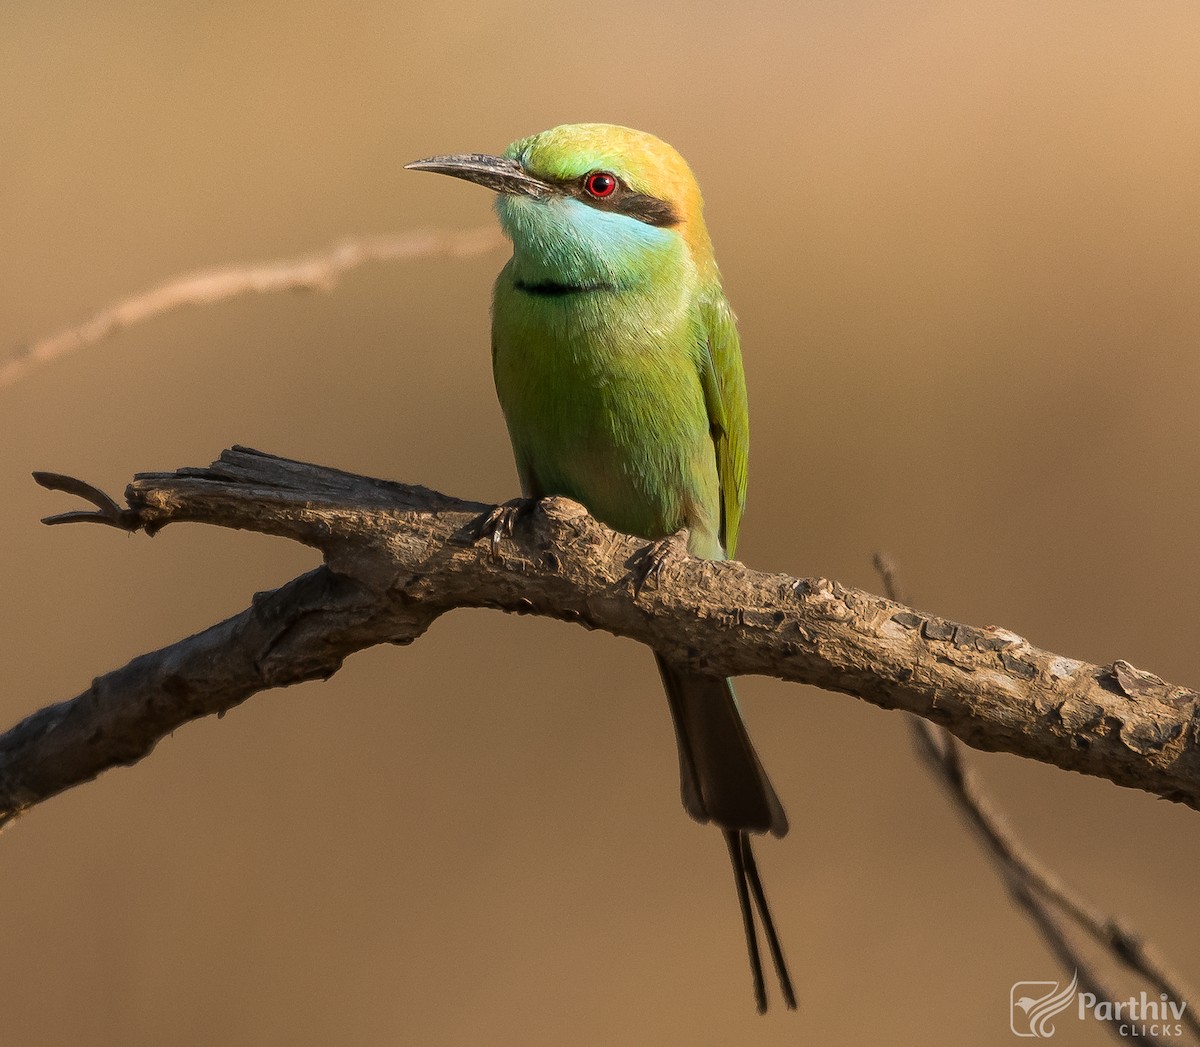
<point>492,172</point>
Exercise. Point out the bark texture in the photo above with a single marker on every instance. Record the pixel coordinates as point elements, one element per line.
<point>397,556</point>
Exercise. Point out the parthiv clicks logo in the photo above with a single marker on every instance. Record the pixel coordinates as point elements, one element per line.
<point>1032,1007</point>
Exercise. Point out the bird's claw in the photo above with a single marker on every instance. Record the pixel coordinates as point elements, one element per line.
<point>106,512</point>
<point>652,559</point>
<point>500,522</point>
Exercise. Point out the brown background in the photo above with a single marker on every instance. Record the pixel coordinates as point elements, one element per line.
<point>962,242</point>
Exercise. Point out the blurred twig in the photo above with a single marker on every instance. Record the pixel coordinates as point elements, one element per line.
<point>317,271</point>
<point>1051,904</point>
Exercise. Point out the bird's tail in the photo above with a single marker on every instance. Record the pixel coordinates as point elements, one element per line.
<point>722,781</point>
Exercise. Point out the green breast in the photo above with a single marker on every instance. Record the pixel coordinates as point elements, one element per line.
<point>604,404</point>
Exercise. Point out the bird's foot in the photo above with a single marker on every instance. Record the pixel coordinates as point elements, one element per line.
<point>650,561</point>
<point>499,523</point>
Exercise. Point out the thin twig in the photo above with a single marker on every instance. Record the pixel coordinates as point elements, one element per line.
<point>316,271</point>
<point>1034,887</point>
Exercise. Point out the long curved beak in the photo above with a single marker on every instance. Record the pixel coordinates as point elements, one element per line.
<point>492,172</point>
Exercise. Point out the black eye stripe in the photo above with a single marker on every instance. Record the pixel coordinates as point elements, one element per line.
<point>645,208</point>
<point>642,206</point>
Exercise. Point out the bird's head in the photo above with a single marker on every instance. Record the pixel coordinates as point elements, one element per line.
<point>592,205</point>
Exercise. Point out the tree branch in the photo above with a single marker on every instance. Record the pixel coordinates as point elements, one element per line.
<point>398,556</point>
<point>316,271</point>
<point>1044,897</point>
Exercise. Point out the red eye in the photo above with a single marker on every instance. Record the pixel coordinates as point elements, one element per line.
<point>601,184</point>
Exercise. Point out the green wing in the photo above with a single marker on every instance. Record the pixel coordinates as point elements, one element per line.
<point>725,395</point>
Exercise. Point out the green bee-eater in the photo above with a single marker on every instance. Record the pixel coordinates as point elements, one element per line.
<point>617,364</point>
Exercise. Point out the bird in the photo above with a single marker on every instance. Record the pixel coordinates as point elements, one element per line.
<point>618,367</point>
